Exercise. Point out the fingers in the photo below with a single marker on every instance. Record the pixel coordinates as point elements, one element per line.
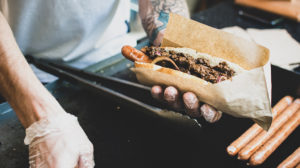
<point>157,92</point>
<point>191,104</point>
<point>86,158</point>
<point>210,114</point>
<point>190,101</point>
<point>86,161</point>
<point>171,96</point>
<point>37,158</point>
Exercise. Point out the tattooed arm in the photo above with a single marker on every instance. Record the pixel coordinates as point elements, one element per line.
<point>154,15</point>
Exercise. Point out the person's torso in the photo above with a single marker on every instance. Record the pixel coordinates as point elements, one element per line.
<point>64,29</point>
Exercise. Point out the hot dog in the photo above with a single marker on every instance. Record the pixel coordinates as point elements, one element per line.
<point>262,137</point>
<point>292,160</point>
<point>270,146</point>
<point>205,67</point>
<point>255,129</point>
<point>191,71</point>
<point>208,112</point>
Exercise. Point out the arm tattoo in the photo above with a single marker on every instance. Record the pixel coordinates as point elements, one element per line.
<point>154,14</point>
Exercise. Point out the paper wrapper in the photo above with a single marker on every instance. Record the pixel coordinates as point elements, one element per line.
<point>246,95</point>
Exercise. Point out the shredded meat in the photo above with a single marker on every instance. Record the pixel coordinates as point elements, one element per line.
<point>199,67</point>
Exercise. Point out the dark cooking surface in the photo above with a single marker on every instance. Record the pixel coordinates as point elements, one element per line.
<point>123,137</point>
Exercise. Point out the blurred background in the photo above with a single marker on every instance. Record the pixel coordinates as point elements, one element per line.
<point>136,29</point>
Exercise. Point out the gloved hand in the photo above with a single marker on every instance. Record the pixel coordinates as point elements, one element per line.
<point>189,102</point>
<point>59,142</point>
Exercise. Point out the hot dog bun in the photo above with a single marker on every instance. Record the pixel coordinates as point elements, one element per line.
<point>213,61</point>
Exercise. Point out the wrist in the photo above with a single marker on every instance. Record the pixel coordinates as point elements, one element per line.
<point>28,97</point>
<point>159,38</point>
<point>34,104</point>
<point>157,32</point>
<point>45,107</point>
<point>45,126</point>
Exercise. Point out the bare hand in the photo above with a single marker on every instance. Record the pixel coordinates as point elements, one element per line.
<point>188,101</point>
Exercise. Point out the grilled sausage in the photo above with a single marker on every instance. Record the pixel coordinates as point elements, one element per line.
<point>135,54</point>
<point>253,131</point>
<point>271,145</point>
<point>262,137</point>
<point>292,160</point>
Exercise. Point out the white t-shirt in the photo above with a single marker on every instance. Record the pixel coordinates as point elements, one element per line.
<point>67,30</point>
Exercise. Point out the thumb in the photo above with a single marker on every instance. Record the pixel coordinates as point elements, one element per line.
<point>86,160</point>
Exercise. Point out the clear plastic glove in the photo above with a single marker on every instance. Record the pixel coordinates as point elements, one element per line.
<point>189,102</point>
<point>58,142</point>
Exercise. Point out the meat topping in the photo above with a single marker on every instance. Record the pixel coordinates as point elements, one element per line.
<point>199,67</point>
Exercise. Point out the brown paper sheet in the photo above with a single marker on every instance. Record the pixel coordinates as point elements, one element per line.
<point>246,95</point>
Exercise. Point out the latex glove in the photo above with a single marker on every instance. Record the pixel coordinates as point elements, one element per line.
<point>189,102</point>
<point>58,142</point>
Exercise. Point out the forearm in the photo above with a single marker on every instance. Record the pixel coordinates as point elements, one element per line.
<point>18,84</point>
<point>152,13</point>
